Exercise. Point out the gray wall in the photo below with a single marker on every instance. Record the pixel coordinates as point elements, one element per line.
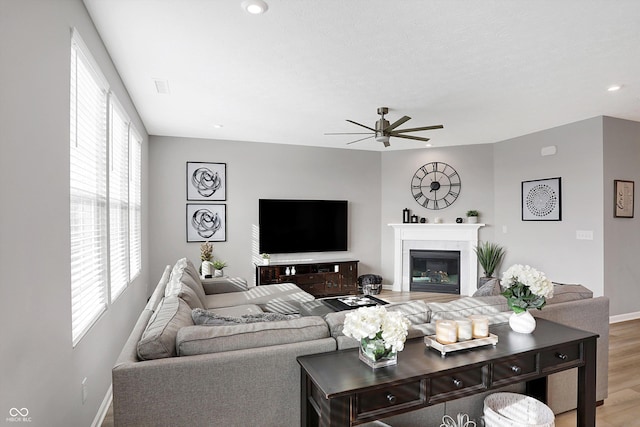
<point>39,368</point>
<point>255,171</point>
<point>622,235</point>
<point>551,246</point>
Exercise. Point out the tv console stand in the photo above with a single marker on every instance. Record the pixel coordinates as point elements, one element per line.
<point>320,279</point>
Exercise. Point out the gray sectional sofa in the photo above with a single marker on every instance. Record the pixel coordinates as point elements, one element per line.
<point>174,372</point>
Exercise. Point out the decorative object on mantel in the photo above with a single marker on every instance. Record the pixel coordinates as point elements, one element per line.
<point>206,181</point>
<point>436,185</point>
<point>526,288</point>
<point>381,334</point>
<point>266,258</point>
<point>206,253</point>
<point>414,219</point>
<point>218,265</point>
<point>458,220</point>
<point>472,216</point>
<point>462,420</point>
<point>490,256</point>
<point>542,200</point>
<point>623,198</point>
<point>406,214</point>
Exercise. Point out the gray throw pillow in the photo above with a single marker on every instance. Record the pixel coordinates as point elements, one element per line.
<point>206,317</point>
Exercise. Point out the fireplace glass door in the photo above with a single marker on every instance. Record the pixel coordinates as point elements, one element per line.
<point>435,271</point>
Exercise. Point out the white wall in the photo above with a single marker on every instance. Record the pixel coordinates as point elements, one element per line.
<point>551,246</point>
<point>474,164</point>
<point>622,235</point>
<point>39,368</point>
<point>255,171</point>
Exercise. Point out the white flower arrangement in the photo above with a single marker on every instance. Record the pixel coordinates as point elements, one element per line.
<point>526,288</point>
<point>371,323</point>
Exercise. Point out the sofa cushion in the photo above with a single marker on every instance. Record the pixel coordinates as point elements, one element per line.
<point>490,288</point>
<point>159,337</point>
<point>194,340</point>
<point>565,293</point>
<point>260,295</point>
<point>238,310</point>
<point>185,272</point>
<point>464,307</point>
<point>205,317</point>
<point>180,290</point>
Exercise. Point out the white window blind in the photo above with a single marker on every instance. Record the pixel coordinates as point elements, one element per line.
<point>135,204</point>
<point>88,190</point>
<point>118,199</point>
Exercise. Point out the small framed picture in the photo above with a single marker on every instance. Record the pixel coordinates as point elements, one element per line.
<point>206,222</point>
<point>623,199</point>
<point>542,200</point>
<point>206,181</point>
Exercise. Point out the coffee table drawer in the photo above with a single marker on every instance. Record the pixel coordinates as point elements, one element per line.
<point>456,383</point>
<point>389,397</point>
<point>569,354</point>
<point>511,369</point>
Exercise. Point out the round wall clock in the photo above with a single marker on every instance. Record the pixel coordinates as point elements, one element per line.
<point>435,185</point>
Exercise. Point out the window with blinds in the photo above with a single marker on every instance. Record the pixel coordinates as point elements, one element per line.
<point>105,193</point>
<point>88,191</point>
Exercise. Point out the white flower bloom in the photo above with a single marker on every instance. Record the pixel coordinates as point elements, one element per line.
<point>535,280</point>
<point>367,322</point>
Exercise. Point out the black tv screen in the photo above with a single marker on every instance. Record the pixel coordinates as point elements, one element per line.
<point>288,226</point>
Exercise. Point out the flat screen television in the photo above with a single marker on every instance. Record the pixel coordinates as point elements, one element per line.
<point>289,226</point>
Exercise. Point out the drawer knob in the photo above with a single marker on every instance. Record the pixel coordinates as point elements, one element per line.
<point>391,398</point>
<point>562,356</point>
<point>516,369</point>
<point>458,383</point>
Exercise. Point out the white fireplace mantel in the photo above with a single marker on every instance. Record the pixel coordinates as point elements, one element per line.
<point>462,237</point>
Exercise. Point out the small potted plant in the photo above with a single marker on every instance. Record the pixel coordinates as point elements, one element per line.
<point>472,216</point>
<point>218,265</point>
<point>265,259</point>
<point>490,256</point>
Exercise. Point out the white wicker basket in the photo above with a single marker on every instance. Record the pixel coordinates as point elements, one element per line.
<point>516,410</point>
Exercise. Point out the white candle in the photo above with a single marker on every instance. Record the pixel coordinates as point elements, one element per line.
<point>446,331</point>
<point>480,326</point>
<point>464,329</point>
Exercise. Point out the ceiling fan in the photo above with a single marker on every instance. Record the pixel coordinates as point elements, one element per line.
<point>384,130</point>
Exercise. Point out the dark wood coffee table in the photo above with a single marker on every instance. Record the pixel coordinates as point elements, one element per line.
<point>340,390</point>
<point>320,307</point>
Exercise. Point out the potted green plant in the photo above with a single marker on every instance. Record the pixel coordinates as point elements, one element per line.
<point>472,216</point>
<point>265,259</point>
<point>490,256</point>
<point>218,265</point>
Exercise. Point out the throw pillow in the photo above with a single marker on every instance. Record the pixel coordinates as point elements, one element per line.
<point>205,317</point>
<point>491,288</point>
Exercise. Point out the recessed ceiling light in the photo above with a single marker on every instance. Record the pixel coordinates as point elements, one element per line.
<point>614,88</point>
<point>162,86</point>
<point>255,7</point>
<point>218,126</point>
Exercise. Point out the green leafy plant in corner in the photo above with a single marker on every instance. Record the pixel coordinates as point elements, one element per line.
<point>219,265</point>
<point>473,213</point>
<point>490,255</point>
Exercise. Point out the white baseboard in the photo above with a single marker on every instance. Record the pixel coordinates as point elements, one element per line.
<point>624,317</point>
<point>104,408</point>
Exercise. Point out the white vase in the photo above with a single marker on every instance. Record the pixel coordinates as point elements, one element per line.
<point>207,269</point>
<point>523,323</point>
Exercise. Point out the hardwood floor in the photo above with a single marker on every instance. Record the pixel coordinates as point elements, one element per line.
<point>621,409</point>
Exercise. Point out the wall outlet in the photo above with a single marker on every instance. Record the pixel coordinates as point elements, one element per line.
<point>584,235</point>
<point>85,390</point>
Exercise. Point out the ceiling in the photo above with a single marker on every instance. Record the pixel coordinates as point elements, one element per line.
<point>486,70</point>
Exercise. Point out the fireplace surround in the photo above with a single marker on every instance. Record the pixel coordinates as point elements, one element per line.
<point>447,237</point>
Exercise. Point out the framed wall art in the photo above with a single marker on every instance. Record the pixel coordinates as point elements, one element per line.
<point>623,199</point>
<point>542,200</point>
<point>206,222</point>
<point>206,181</point>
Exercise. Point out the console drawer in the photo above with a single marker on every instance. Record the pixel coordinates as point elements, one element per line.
<point>308,279</point>
<point>471,379</point>
<point>389,397</point>
<point>511,369</point>
<point>568,354</point>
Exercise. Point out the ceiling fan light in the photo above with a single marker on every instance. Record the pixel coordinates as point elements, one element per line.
<point>255,7</point>
<point>382,138</point>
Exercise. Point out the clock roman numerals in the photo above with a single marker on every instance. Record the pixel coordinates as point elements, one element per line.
<point>435,185</point>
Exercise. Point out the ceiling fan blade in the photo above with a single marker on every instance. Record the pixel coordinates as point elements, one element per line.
<point>386,142</point>
<point>366,127</point>
<point>358,140</point>
<point>417,138</point>
<point>348,133</point>
<point>418,129</point>
<point>397,123</point>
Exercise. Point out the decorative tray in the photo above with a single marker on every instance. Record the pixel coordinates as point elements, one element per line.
<point>431,341</point>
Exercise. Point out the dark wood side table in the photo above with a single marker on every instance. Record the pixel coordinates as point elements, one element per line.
<point>340,390</point>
